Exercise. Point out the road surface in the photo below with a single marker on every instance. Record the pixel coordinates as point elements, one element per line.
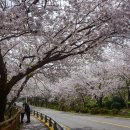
<point>86,122</point>
<point>34,125</point>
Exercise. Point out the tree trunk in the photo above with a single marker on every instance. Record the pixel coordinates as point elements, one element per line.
<point>3,102</point>
<point>84,103</point>
<point>128,95</point>
<point>99,102</point>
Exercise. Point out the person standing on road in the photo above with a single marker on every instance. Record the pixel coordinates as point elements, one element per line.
<point>27,111</point>
<point>22,112</point>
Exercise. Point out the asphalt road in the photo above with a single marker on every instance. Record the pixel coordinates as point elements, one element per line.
<point>86,122</point>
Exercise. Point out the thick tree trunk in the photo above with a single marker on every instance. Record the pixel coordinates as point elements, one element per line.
<point>3,81</point>
<point>3,102</point>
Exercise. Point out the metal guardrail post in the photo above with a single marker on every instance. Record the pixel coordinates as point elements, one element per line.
<point>34,113</point>
<point>41,116</point>
<point>50,122</point>
<point>54,126</point>
<point>45,118</point>
<point>37,114</point>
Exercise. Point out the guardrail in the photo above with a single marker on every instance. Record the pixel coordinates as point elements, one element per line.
<point>51,123</point>
<point>12,123</point>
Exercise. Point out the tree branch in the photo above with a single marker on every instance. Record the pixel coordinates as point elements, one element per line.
<point>19,91</point>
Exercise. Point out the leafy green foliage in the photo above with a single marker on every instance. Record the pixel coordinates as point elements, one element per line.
<point>117,99</point>
<point>116,105</point>
<point>85,110</point>
<point>115,111</point>
<point>107,104</point>
<point>116,102</point>
<point>129,104</point>
<point>104,111</point>
<point>95,110</point>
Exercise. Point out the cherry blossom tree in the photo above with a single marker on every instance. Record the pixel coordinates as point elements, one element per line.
<point>110,76</point>
<point>100,81</point>
<point>35,33</point>
<point>96,79</point>
<point>121,69</point>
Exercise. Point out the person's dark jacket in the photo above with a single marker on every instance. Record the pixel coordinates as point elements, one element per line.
<point>27,108</point>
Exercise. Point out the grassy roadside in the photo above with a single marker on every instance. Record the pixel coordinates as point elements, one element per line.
<point>123,113</point>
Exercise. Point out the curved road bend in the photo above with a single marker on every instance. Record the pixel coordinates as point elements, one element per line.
<point>86,122</point>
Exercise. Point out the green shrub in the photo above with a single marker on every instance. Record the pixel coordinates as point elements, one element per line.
<point>128,104</point>
<point>91,104</point>
<point>116,102</point>
<point>124,112</point>
<point>119,100</point>
<point>95,110</point>
<point>104,111</point>
<point>116,105</point>
<point>115,111</point>
<point>77,110</point>
<point>108,104</point>
<point>84,110</point>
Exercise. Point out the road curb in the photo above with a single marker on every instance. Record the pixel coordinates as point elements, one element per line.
<point>47,124</point>
<point>43,121</point>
